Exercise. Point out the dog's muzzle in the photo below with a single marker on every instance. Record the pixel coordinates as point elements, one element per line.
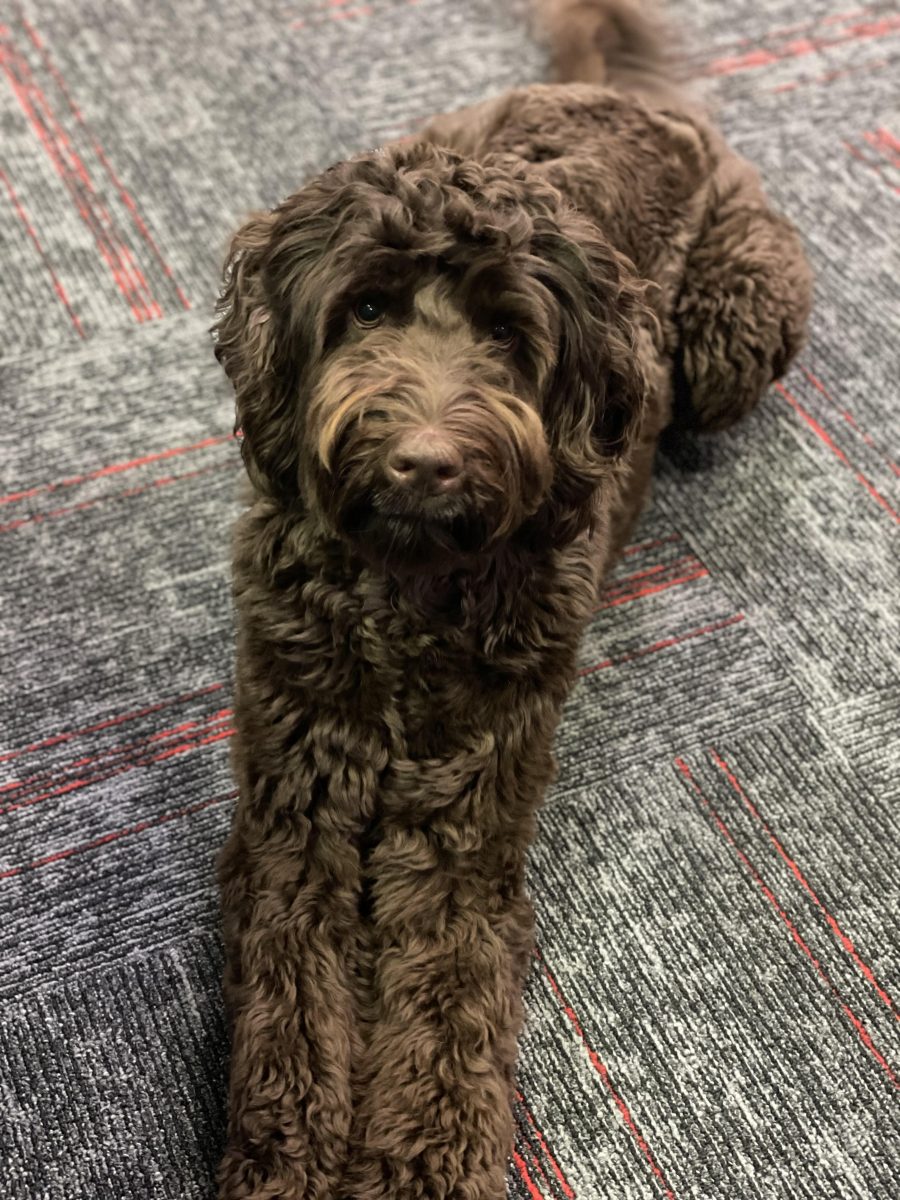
<point>420,515</point>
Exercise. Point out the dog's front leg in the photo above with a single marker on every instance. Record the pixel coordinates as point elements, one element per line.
<point>434,1122</point>
<point>291,951</point>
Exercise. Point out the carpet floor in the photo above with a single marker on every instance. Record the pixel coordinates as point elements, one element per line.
<point>715,1008</point>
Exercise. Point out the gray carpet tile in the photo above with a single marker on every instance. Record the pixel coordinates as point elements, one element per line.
<point>715,1006</point>
<point>692,967</point>
<point>90,1065</point>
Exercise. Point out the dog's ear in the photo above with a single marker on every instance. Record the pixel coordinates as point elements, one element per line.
<point>247,345</point>
<point>596,393</point>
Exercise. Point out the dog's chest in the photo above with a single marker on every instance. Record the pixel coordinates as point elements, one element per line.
<point>450,683</point>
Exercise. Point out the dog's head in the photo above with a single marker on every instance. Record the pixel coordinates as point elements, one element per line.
<point>432,354</point>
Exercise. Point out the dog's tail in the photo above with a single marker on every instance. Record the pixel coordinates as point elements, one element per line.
<point>621,43</point>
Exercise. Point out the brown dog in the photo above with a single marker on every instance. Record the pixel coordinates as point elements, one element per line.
<point>453,359</point>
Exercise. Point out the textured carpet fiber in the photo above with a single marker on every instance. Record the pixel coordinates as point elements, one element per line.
<point>715,1009</point>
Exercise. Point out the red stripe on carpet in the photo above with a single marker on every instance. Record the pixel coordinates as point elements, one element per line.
<point>877,167</point>
<point>125,195</point>
<point>653,589</point>
<point>69,509</point>
<point>791,863</point>
<point>103,776</point>
<point>62,769</point>
<point>187,746</point>
<point>58,738</point>
<point>850,419</point>
<point>32,234</point>
<point>533,1189</point>
<point>556,1168</point>
<point>600,1068</point>
<point>779,33</point>
<point>616,585</point>
<point>546,1183</point>
<point>130,464</point>
<point>885,143</point>
<point>97,843</point>
<point>864,1036</point>
<point>875,64</point>
<point>28,792</point>
<point>752,59</point>
<point>74,175</point>
<point>665,644</point>
<point>837,451</point>
<point>141,296</point>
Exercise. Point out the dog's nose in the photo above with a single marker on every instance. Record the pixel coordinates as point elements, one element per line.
<point>426,461</point>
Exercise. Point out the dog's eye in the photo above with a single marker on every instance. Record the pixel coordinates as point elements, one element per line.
<point>369,311</point>
<point>503,333</point>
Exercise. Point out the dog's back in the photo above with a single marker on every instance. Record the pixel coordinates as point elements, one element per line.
<point>727,356</point>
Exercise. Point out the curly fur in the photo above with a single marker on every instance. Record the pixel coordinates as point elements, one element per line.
<point>403,658</point>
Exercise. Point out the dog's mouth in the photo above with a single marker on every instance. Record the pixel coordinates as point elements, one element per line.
<point>415,540</point>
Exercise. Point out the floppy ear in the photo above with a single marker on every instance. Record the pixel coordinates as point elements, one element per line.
<point>596,393</point>
<point>247,346</point>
